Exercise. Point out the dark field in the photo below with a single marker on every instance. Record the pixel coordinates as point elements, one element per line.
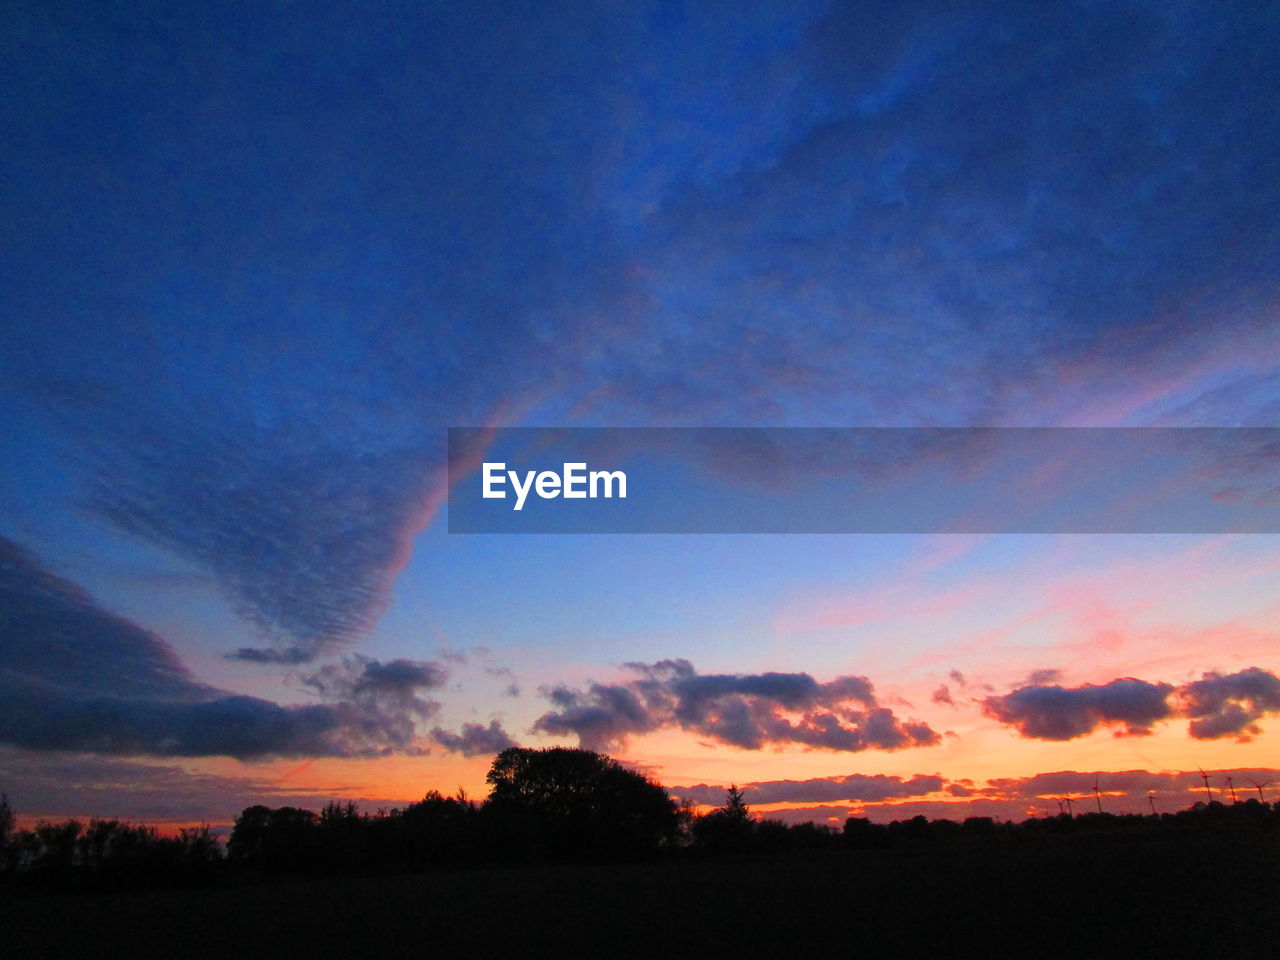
<point>1197,897</point>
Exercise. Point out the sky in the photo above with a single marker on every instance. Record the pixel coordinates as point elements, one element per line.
<point>258,258</point>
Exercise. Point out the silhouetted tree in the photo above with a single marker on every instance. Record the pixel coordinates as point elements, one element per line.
<point>199,846</point>
<point>342,837</point>
<point>687,815</point>
<point>8,858</point>
<point>727,828</point>
<point>735,807</point>
<point>281,839</point>
<point>109,846</point>
<point>565,802</point>
<point>6,819</point>
<point>440,829</point>
<point>49,849</point>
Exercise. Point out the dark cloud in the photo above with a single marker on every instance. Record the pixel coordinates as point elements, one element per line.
<point>943,696</point>
<point>291,656</point>
<point>475,740</point>
<point>55,633</point>
<point>854,787</point>
<point>1230,705</point>
<point>382,700</point>
<point>1218,705</point>
<point>1061,713</point>
<point>602,716</point>
<point>41,716</point>
<point>75,677</point>
<point>396,681</point>
<point>750,711</point>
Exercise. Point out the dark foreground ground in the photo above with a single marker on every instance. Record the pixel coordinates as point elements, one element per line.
<point>1199,897</point>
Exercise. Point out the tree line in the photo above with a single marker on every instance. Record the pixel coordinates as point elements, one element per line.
<point>554,804</point>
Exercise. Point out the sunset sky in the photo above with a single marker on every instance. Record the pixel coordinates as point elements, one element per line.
<point>258,258</point>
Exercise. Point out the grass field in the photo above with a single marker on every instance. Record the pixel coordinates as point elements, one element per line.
<point>1197,897</point>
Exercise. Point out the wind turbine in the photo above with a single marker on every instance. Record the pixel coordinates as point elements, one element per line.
<point>1205,777</point>
<point>1259,786</point>
<point>1232,788</point>
<point>1069,801</point>
<point>1151,799</point>
<point>1096,795</point>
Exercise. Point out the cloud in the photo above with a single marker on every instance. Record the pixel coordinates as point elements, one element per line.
<point>876,226</point>
<point>381,700</point>
<point>54,632</point>
<point>1017,798</point>
<point>85,785</point>
<point>475,739</point>
<point>1060,713</point>
<point>395,682</point>
<point>853,787</point>
<point>74,677</point>
<point>1043,676</point>
<point>1128,790</point>
<point>602,716</point>
<point>1252,400</point>
<point>267,404</point>
<point>1217,705</point>
<point>1080,783</point>
<point>750,711</point>
<point>1230,705</point>
<point>765,218</point>
<point>303,531</point>
<point>289,655</point>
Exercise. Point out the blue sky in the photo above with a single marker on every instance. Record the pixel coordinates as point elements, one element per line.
<point>258,258</point>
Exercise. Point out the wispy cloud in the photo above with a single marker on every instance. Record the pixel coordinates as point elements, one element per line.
<point>303,536</point>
